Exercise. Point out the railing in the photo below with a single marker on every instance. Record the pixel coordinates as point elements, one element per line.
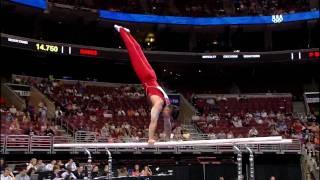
<point>34,144</point>
<point>12,97</point>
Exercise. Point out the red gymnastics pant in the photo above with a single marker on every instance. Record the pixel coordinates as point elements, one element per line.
<point>142,68</point>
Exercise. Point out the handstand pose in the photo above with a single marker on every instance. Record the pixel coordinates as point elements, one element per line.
<point>158,98</point>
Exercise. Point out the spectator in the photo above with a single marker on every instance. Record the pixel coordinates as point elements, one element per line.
<point>246,122</point>
<point>68,173</point>
<point>297,126</point>
<point>253,132</point>
<point>237,122</point>
<point>186,135</point>
<point>32,164</point>
<point>31,131</point>
<point>314,127</point>
<point>257,114</point>
<point>58,113</point>
<point>13,110</point>
<point>271,123</point>
<point>49,167</point>
<point>105,130</point>
<point>264,114</point>
<point>143,113</point>
<point>274,132</point>
<point>79,174</point>
<point>121,112</point>
<point>95,171</point>
<point>259,120</point>
<point>271,114</point>
<point>106,170</point>
<point>130,112</point>
<point>2,165</point>
<point>26,118</point>
<point>15,126</point>
<point>212,135</point>
<point>221,135</point>
<point>136,171</point>
<point>221,178</point>
<point>294,135</point>
<point>195,117</point>
<point>22,175</point>
<point>272,178</point>
<point>306,135</point>
<point>72,165</point>
<point>203,117</point>
<point>281,126</point>
<point>55,172</point>
<point>177,133</point>
<point>43,113</point>
<point>122,172</point>
<point>310,147</point>
<point>216,118</point>
<point>210,118</point>
<point>311,118</point>
<point>48,132</point>
<point>230,135</point>
<point>40,166</point>
<point>136,114</point>
<point>9,117</point>
<point>7,174</point>
<point>60,164</point>
<point>93,118</point>
<point>79,113</point>
<point>146,171</point>
<point>107,114</point>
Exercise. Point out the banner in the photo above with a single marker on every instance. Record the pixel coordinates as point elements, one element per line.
<point>208,21</point>
<point>42,4</point>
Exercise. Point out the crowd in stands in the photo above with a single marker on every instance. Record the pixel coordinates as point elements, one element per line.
<point>70,169</point>
<point>113,113</point>
<point>250,118</point>
<point>196,7</point>
<point>29,121</point>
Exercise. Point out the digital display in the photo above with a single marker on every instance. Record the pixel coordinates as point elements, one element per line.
<point>89,52</point>
<point>314,54</point>
<point>122,55</point>
<point>47,48</point>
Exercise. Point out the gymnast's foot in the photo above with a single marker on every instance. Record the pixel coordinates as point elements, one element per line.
<point>117,27</point>
<point>151,141</point>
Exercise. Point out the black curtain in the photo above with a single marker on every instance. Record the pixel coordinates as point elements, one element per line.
<point>280,171</point>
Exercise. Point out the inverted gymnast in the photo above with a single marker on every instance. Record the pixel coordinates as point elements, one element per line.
<point>156,95</point>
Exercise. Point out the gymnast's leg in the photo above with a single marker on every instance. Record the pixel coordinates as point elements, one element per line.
<point>138,61</point>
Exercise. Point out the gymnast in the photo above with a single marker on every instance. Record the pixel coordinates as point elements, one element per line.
<point>156,95</point>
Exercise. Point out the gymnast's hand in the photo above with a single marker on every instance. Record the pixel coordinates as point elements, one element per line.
<point>117,27</point>
<point>151,141</point>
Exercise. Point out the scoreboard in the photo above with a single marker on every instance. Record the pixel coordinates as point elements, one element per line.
<point>48,47</point>
<point>39,46</point>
